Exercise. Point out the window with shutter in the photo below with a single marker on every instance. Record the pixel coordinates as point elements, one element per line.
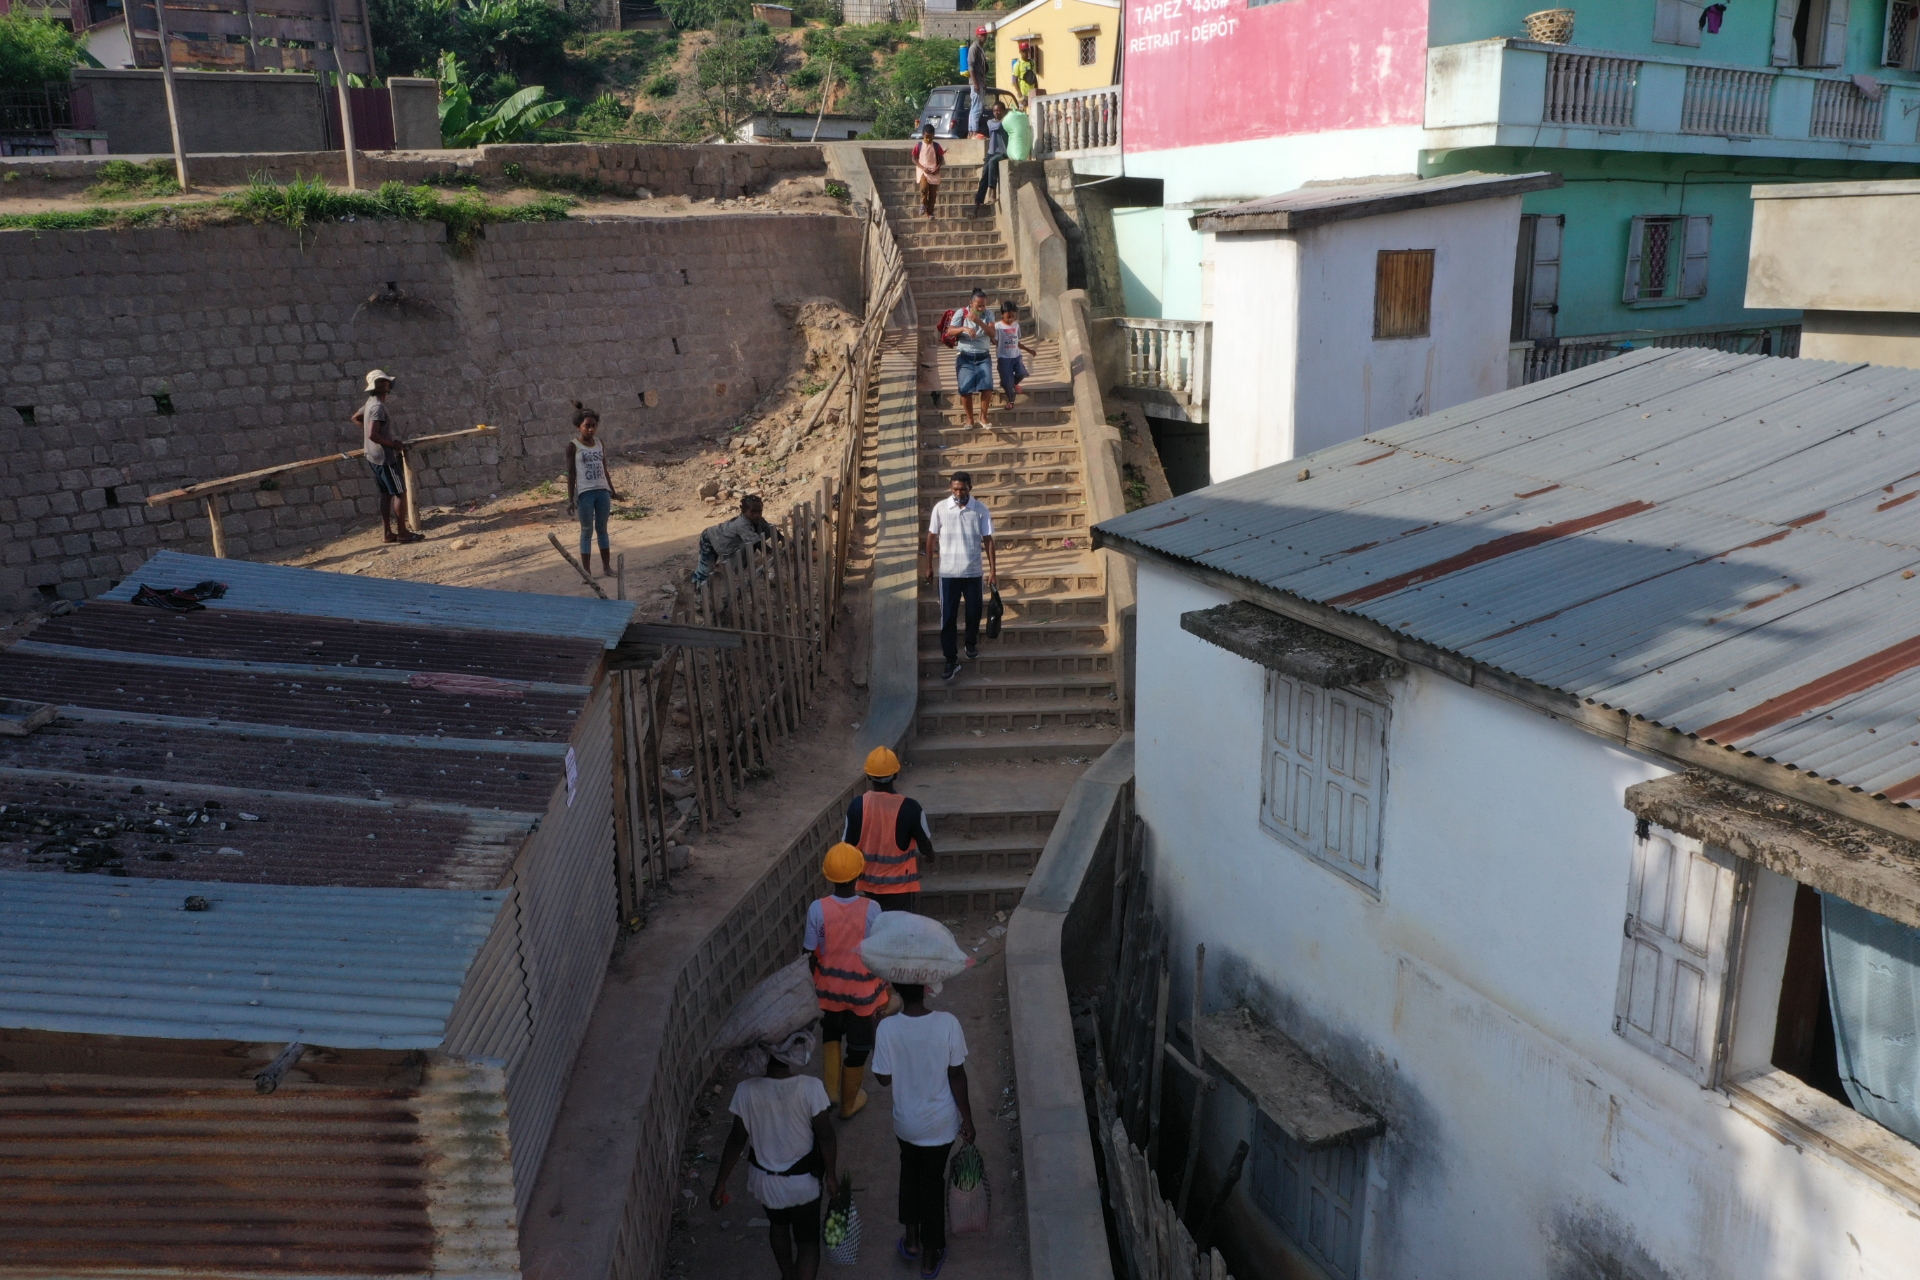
<point>1898,38</point>
<point>1543,293</point>
<point>1403,293</point>
<point>1677,21</point>
<point>1658,251</point>
<point>1833,33</point>
<point>1785,54</point>
<point>1325,774</point>
<point>1693,261</point>
<point>1316,1197</point>
<point>1685,912</point>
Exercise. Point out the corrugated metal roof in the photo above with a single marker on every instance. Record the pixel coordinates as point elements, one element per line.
<point>344,968</point>
<point>123,1175</point>
<point>273,588</point>
<point>1312,206</point>
<point>1723,545</point>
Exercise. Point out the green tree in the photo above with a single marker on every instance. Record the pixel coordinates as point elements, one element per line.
<point>914,71</point>
<point>34,52</point>
<point>734,73</point>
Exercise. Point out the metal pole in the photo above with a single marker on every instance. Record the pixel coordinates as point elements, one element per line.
<point>340,85</point>
<point>173,104</point>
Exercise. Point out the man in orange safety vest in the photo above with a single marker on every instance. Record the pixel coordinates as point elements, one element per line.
<point>850,996</point>
<point>892,831</point>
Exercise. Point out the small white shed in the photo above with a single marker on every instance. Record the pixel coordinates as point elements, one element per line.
<point>1339,310</point>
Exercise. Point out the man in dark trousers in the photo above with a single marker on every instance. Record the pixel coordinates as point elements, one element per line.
<point>383,452</point>
<point>891,830</point>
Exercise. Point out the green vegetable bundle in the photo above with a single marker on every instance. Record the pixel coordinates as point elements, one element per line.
<point>968,1169</point>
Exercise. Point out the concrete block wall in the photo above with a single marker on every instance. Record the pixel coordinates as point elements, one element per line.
<point>259,341</point>
<point>698,172</point>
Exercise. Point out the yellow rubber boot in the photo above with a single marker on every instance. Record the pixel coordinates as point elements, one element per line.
<point>830,1068</point>
<point>852,1097</point>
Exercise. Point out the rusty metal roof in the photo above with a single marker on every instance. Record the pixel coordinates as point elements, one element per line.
<point>273,588</point>
<point>344,968</point>
<point>377,754</point>
<point>1722,545</point>
<point>117,1175</point>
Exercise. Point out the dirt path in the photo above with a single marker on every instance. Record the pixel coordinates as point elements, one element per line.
<point>728,1245</point>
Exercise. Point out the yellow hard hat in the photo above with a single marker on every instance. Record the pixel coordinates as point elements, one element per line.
<point>882,763</point>
<point>844,863</point>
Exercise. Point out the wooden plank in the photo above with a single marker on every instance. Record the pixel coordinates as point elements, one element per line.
<point>229,484</point>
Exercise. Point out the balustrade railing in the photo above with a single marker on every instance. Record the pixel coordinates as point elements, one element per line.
<point>1591,89</point>
<point>1840,110</point>
<point>1168,355</point>
<point>1530,362</point>
<point>1084,120</point>
<point>1722,100</point>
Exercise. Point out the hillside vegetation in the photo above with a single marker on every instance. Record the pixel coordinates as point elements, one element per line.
<point>717,69</point>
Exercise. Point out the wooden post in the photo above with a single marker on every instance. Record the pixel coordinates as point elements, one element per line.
<point>697,730</point>
<point>1159,1062</point>
<point>1199,1094</point>
<point>173,102</point>
<point>340,85</point>
<point>413,490</point>
<point>622,797</point>
<point>213,521</point>
<point>620,576</point>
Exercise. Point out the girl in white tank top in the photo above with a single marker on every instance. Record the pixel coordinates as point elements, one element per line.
<point>590,490</point>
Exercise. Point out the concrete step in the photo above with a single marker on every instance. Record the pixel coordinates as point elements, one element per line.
<point>997,680</point>
<point>987,457</point>
<point>1016,717</point>
<point>996,479</point>
<point>1010,499</point>
<point>997,439</point>
<point>985,855</point>
<point>1064,610</point>
<point>947,897</point>
<point>929,267</point>
<point>998,668</point>
<point>1017,638</point>
<point>963,809</point>
<point>1081,744</point>
<point>1028,410</point>
<point>915,238</point>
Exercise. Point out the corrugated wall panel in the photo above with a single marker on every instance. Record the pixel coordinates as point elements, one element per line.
<point>462,1111</point>
<point>570,920</point>
<point>493,1018</point>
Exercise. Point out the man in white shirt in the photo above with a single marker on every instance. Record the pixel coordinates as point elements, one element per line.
<point>784,1117</point>
<point>958,533</point>
<point>921,1055</point>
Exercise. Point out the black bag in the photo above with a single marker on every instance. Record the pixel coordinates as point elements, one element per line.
<point>993,615</point>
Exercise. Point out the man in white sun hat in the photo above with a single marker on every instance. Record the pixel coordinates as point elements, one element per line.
<point>383,452</point>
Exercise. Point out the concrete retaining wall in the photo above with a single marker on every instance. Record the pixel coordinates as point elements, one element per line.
<point>219,111</point>
<point>1062,916</point>
<point>698,172</point>
<point>259,340</point>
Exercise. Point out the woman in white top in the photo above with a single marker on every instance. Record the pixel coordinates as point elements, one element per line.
<point>921,1055</point>
<point>792,1153</point>
<point>590,490</point>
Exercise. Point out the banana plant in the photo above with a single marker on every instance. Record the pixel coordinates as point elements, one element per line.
<point>513,120</point>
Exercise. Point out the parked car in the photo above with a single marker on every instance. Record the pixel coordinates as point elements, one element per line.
<point>947,107</point>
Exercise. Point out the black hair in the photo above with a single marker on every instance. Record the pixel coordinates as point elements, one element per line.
<point>979,292</point>
<point>963,477</point>
<point>911,992</point>
<point>1006,305</point>
<point>581,413</point>
<point>745,498</point>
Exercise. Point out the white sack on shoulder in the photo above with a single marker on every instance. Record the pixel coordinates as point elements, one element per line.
<point>772,1011</point>
<point>904,947</point>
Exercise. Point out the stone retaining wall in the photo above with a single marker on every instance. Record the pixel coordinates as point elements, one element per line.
<point>135,362</point>
<point>698,172</point>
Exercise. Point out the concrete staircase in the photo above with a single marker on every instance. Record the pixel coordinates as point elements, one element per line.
<point>1048,688</point>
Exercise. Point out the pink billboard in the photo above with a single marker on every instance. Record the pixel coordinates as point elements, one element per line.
<point>1207,71</point>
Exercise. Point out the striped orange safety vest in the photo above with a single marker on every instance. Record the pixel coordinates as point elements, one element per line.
<point>890,869</point>
<point>841,978</point>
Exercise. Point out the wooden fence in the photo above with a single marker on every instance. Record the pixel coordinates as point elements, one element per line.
<point>747,683</point>
<point>1154,1243</point>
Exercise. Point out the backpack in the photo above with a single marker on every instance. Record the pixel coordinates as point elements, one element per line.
<point>949,336</point>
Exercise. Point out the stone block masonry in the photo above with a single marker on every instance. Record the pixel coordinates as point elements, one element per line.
<point>134,362</point>
<point>697,172</point>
